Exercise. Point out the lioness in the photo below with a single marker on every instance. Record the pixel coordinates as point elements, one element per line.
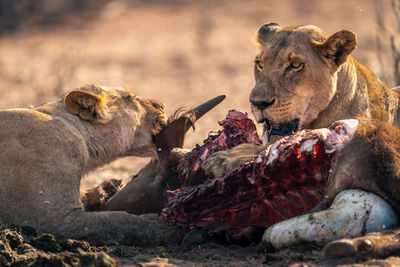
<point>307,80</point>
<point>46,150</point>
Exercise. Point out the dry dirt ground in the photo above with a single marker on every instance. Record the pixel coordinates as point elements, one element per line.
<point>182,53</point>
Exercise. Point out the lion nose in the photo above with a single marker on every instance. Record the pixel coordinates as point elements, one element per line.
<point>262,104</point>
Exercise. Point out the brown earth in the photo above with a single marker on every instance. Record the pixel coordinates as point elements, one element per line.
<point>22,246</point>
<point>182,53</point>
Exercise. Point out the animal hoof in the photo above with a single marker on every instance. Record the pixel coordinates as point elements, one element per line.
<point>194,238</point>
<point>339,249</point>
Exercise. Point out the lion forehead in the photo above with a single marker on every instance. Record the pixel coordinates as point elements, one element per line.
<point>299,40</point>
<point>308,28</point>
<point>106,91</point>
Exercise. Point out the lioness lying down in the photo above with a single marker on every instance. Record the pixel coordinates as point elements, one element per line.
<point>46,150</point>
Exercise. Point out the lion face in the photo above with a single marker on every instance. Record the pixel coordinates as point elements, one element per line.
<point>153,122</point>
<point>119,116</point>
<point>296,75</point>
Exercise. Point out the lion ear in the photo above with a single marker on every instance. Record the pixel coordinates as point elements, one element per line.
<point>339,46</point>
<point>266,30</point>
<point>87,106</point>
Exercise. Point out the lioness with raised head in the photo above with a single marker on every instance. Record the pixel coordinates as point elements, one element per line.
<point>46,150</point>
<point>307,80</point>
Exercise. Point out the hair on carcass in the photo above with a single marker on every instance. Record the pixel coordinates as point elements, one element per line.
<point>383,140</point>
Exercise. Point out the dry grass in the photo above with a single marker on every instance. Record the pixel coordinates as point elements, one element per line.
<point>181,53</point>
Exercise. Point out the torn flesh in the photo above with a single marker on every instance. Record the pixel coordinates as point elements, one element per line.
<point>284,181</point>
<point>237,129</point>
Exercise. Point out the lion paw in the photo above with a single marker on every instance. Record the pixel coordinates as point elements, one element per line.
<point>222,161</point>
<point>93,199</point>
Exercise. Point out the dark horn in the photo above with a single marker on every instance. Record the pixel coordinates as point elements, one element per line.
<point>207,106</point>
<point>173,135</point>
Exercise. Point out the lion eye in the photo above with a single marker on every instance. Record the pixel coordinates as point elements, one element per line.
<point>259,64</point>
<point>296,65</point>
<point>157,105</point>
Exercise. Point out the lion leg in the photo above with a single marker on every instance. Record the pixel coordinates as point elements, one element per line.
<point>119,227</point>
<point>223,161</point>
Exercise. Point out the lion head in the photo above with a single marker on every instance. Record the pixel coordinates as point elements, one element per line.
<point>296,75</point>
<point>131,121</point>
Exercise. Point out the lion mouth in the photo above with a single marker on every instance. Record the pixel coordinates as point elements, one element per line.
<point>283,129</point>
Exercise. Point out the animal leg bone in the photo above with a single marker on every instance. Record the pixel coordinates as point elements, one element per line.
<point>352,213</point>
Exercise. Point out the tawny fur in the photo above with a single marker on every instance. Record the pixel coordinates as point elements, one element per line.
<point>220,162</point>
<point>46,151</point>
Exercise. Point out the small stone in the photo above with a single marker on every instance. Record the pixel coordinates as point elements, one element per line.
<point>339,249</point>
<point>14,239</point>
<point>73,245</point>
<point>6,253</point>
<point>95,259</point>
<point>45,242</point>
<point>365,246</point>
<point>194,238</point>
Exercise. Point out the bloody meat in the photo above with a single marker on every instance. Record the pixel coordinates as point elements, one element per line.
<point>237,129</point>
<point>283,181</point>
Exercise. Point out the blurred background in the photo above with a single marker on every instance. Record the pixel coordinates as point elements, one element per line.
<point>181,52</point>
